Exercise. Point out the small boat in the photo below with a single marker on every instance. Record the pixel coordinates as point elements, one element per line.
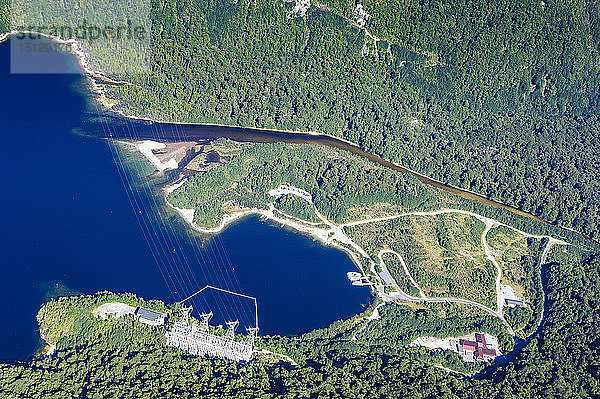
<point>354,276</point>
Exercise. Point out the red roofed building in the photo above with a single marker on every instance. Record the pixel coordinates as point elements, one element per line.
<point>479,347</point>
<point>468,345</point>
<point>488,352</point>
<point>481,339</point>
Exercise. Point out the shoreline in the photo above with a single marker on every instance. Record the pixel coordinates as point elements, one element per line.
<point>424,179</point>
<point>82,61</point>
<point>146,148</point>
<point>49,349</point>
<point>229,219</point>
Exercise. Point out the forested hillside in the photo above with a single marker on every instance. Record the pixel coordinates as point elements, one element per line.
<point>337,181</point>
<point>126,359</point>
<point>344,188</point>
<point>4,16</point>
<point>496,97</point>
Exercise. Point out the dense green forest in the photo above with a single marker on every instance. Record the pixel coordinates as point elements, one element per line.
<point>344,187</point>
<point>496,97</point>
<point>337,181</point>
<point>4,16</point>
<point>122,358</point>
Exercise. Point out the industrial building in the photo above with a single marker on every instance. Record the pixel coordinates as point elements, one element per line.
<point>514,302</point>
<point>150,317</point>
<point>476,351</point>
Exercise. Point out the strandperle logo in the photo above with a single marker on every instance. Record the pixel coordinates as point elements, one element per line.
<point>112,37</point>
<point>129,31</point>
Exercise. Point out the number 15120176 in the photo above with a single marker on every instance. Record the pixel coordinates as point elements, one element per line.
<point>46,47</point>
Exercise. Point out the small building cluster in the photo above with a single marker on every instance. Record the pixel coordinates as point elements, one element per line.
<point>358,279</point>
<point>476,351</point>
<point>150,317</point>
<point>474,347</point>
<point>514,302</point>
<point>117,310</point>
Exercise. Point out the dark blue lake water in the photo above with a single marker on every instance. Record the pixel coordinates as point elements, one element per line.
<point>73,220</point>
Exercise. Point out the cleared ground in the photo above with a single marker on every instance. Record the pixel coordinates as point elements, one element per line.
<point>443,253</point>
<point>113,309</point>
<point>517,256</point>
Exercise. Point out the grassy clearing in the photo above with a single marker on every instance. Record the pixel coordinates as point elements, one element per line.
<point>518,257</point>
<point>514,253</point>
<point>395,268</point>
<point>373,211</point>
<point>443,253</point>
